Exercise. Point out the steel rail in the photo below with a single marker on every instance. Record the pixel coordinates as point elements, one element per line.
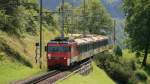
<point>42,77</point>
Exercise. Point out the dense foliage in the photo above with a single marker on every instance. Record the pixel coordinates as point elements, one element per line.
<point>125,69</point>
<point>137,25</point>
<point>117,51</point>
<point>90,17</point>
<point>118,69</point>
<point>21,16</point>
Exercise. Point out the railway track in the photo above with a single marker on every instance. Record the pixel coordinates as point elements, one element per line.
<point>42,77</point>
<point>79,69</point>
<point>53,76</point>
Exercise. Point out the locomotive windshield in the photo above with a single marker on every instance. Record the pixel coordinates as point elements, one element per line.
<point>58,49</point>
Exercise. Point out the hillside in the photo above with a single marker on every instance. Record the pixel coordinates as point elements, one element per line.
<point>17,56</point>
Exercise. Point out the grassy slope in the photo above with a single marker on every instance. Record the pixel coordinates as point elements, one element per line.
<point>12,69</point>
<point>98,76</point>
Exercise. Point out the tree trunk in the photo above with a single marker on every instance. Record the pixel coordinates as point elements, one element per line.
<point>145,57</point>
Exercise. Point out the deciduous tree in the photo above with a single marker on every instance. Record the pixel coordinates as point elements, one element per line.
<point>137,25</point>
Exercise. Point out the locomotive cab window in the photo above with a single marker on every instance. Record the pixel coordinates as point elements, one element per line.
<point>58,49</point>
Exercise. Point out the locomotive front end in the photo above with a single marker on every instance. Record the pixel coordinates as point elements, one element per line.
<point>58,54</point>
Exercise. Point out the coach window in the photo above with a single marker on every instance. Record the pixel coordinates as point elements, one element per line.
<point>103,42</point>
<point>99,43</point>
<point>106,42</point>
<point>94,45</point>
<point>87,47</point>
<point>91,46</point>
<point>81,48</point>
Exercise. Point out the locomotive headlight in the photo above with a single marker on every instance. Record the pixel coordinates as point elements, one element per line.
<point>49,56</point>
<point>65,58</point>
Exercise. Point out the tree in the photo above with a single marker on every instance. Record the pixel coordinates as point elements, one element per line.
<point>137,25</point>
<point>118,51</point>
<point>95,19</point>
<point>21,16</point>
<point>90,17</point>
<point>102,21</point>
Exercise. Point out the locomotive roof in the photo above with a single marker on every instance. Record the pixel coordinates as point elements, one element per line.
<point>79,41</point>
<point>90,39</point>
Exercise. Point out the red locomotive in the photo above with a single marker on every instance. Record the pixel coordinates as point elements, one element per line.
<point>65,53</point>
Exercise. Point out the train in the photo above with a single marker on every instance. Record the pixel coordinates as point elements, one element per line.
<point>64,52</point>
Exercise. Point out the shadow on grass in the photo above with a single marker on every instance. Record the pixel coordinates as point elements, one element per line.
<point>14,54</point>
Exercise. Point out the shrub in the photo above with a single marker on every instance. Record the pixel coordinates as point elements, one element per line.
<point>117,51</point>
<point>141,75</point>
<point>119,70</point>
<point>138,54</point>
<point>133,80</point>
<point>2,57</point>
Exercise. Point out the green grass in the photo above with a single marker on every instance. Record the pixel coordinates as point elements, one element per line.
<point>128,55</point>
<point>98,76</point>
<point>14,71</point>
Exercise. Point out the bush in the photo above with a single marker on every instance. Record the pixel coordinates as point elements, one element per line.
<point>119,70</point>
<point>2,57</point>
<point>141,75</point>
<point>133,80</point>
<point>117,51</point>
